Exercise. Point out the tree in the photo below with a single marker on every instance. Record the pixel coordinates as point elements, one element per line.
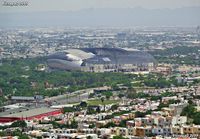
<point>92,125</point>
<point>190,102</point>
<point>2,133</point>
<point>109,124</point>
<point>24,137</point>
<point>98,109</point>
<point>89,137</point>
<point>68,109</point>
<point>121,95</point>
<point>83,104</point>
<point>114,107</point>
<point>119,137</point>
<point>102,99</point>
<point>191,112</point>
<point>188,111</point>
<point>122,123</point>
<point>115,87</point>
<point>107,94</point>
<point>139,114</point>
<point>16,133</point>
<point>11,73</point>
<point>196,118</point>
<point>74,124</point>
<point>20,123</point>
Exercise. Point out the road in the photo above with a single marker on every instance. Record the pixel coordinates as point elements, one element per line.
<point>73,97</point>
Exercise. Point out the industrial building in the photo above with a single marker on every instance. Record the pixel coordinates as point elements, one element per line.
<point>20,99</point>
<point>102,60</point>
<point>28,114</point>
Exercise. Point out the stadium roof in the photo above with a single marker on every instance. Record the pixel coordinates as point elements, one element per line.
<point>73,59</point>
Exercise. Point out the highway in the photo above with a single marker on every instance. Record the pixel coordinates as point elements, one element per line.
<point>69,98</point>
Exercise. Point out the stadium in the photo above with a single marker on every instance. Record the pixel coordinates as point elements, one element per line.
<point>102,60</point>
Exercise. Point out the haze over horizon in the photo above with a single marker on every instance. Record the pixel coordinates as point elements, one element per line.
<point>76,5</point>
<point>106,13</point>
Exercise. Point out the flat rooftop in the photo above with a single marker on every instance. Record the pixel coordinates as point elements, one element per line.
<point>15,110</point>
<point>30,112</point>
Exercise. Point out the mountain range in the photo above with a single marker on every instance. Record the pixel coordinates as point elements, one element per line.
<point>105,17</point>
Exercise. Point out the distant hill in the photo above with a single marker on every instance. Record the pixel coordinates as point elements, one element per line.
<point>130,17</point>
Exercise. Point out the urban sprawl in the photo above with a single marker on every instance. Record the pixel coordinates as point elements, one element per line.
<point>109,83</point>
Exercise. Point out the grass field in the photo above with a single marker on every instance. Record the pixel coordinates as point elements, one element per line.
<point>99,102</point>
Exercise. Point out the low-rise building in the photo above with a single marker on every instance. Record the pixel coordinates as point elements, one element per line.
<point>143,131</point>
<point>187,129</point>
<point>178,130</point>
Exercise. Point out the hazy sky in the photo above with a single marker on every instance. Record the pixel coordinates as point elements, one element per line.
<point>71,5</point>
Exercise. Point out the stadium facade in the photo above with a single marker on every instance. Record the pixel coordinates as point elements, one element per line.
<point>102,60</point>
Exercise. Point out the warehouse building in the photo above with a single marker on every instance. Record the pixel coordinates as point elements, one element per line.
<point>29,114</point>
